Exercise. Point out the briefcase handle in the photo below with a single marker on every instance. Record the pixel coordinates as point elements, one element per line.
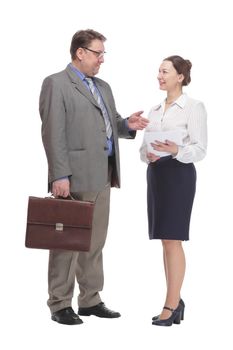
<point>60,197</point>
<point>69,197</point>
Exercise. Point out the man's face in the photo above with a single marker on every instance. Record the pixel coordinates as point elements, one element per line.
<point>91,57</point>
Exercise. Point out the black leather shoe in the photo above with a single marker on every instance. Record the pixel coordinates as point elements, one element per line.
<point>99,310</point>
<point>66,316</point>
<point>182,305</point>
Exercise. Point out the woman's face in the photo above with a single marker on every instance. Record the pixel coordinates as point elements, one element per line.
<point>168,77</point>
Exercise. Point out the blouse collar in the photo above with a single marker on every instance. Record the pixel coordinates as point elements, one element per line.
<point>181,101</point>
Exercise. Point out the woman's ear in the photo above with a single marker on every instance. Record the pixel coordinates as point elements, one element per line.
<point>180,78</point>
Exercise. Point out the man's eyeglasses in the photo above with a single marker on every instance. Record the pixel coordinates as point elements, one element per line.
<point>99,54</point>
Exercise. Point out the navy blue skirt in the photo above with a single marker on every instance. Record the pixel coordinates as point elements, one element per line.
<point>171,189</point>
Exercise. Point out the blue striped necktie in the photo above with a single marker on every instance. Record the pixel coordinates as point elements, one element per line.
<point>99,100</point>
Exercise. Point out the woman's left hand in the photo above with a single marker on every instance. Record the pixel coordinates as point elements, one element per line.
<point>166,146</point>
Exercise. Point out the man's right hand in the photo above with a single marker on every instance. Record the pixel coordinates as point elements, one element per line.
<point>61,188</point>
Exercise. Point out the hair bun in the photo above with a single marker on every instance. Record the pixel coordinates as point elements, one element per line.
<point>189,64</point>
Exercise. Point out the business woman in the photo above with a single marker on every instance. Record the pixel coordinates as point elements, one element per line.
<point>171,179</point>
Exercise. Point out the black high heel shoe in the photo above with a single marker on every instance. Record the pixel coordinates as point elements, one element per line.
<point>174,318</point>
<point>182,305</point>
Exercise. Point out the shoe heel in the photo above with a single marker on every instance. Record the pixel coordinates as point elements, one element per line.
<point>177,318</point>
<point>182,307</point>
<point>182,314</point>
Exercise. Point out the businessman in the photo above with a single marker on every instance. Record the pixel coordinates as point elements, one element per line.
<point>80,131</point>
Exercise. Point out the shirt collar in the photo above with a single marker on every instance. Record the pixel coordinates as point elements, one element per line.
<point>181,101</point>
<point>79,74</point>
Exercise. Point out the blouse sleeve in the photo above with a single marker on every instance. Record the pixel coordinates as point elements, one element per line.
<point>143,152</point>
<point>196,148</point>
<point>143,148</point>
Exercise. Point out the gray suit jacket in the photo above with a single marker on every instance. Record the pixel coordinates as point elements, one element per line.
<point>74,133</point>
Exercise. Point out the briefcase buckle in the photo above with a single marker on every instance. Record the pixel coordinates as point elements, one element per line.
<point>59,226</point>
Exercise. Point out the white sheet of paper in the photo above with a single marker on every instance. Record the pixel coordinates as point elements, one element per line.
<point>171,135</point>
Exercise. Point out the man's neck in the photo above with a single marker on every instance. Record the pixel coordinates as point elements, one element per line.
<point>77,65</point>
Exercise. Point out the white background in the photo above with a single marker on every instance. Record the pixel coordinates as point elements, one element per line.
<point>35,40</point>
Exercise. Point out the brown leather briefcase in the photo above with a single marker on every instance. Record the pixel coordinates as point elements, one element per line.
<point>59,224</point>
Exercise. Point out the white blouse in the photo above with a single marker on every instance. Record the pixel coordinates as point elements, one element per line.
<point>187,115</point>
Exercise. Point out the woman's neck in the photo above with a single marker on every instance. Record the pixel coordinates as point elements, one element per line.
<point>173,96</point>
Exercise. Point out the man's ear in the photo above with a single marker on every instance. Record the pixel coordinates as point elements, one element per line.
<point>79,53</point>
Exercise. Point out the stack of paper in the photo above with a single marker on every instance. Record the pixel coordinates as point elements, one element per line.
<point>162,136</point>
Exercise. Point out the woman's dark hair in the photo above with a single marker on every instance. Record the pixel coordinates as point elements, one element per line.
<point>182,66</point>
<point>83,38</point>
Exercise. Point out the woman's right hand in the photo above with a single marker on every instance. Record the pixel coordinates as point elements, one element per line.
<point>152,157</point>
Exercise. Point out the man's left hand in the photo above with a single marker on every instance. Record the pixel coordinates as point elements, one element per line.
<point>137,122</point>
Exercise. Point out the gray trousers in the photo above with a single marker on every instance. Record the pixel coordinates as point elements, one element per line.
<point>87,267</point>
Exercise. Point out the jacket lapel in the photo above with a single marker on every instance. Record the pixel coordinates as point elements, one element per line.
<point>79,85</point>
